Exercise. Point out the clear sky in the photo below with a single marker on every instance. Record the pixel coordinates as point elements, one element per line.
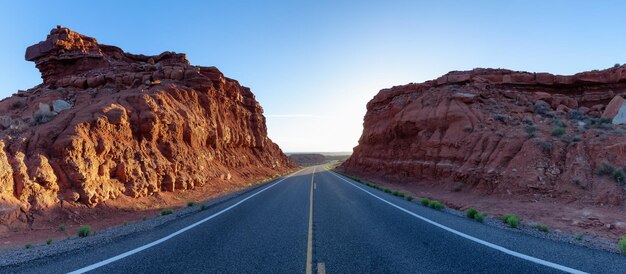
<point>313,65</point>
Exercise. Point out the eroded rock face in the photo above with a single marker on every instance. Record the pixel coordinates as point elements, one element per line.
<point>106,123</point>
<point>500,132</point>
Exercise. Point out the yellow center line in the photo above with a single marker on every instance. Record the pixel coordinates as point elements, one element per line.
<point>309,249</point>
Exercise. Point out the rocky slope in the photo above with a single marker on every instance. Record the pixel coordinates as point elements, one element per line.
<point>517,135</point>
<point>106,124</point>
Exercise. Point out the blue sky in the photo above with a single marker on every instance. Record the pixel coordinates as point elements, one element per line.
<point>313,65</point>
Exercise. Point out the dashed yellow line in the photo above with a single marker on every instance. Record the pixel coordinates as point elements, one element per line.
<point>309,249</point>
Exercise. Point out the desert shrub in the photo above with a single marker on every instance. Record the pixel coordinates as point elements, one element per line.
<point>387,190</point>
<point>409,198</point>
<point>577,138</point>
<point>27,246</point>
<point>166,211</point>
<point>41,117</point>
<point>579,237</point>
<point>558,131</point>
<point>622,245</point>
<point>541,107</point>
<point>62,227</point>
<point>203,207</point>
<point>191,203</point>
<point>145,218</point>
<point>616,65</point>
<point>479,217</point>
<point>542,228</point>
<point>49,241</point>
<point>619,176</point>
<point>84,231</point>
<point>511,220</point>
<point>424,201</point>
<point>558,123</point>
<point>606,121</point>
<point>471,213</point>
<point>527,121</point>
<point>435,204</point>
<point>501,117</point>
<point>606,169</point>
<point>530,130</point>
<point>575,115</point>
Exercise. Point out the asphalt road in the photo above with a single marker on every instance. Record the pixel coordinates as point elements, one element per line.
<point>349,229</point>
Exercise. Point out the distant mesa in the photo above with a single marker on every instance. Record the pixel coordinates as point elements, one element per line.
<point>310,159</point>
<point>105,124</point>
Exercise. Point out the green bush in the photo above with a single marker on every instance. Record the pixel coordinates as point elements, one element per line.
<point>49,241</point>
<point>479,217</point>
<point>387,190</point>
<point>435,204</point>
<point>145,218</point>
<point>558,131</point>
<point>27,246</point>
<point>203,207</point>
<point>191,203</point>
<point>84,231</point>
<point>475,214</point>
<point>424,201</point>
<point>471,213</point>
<point>511,220</point>
<point>166,211</point>
<point>62,227</point>
<point>409,198</point>
<point>542,228</point>
<point>622,245</point>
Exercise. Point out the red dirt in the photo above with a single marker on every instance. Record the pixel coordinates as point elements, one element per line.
<point>530,144</point>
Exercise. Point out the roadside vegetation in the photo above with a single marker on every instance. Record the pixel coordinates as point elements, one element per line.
<point>191,203</point>
<point>166,211</point>
<point>542,228</point>
<point>84,231</point>
<point>511,220</point>
<point>435,204</point>
<point>475,215</point>
<point>622,245</point>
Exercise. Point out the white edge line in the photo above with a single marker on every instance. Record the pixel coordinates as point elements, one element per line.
<point>471,238</point>
<point>174,234</point>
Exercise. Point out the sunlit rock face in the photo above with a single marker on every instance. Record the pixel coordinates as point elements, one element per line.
<point>106,123</point>
<point>502,132</point>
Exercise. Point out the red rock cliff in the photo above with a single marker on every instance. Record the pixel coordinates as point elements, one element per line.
<point>106,123</point>
<point>501,132</point>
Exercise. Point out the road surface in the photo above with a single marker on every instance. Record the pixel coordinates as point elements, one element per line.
<point>319,222</point>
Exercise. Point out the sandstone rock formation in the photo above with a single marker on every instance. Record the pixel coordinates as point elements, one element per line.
<point>106,123</point>
<point>501,132</point>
